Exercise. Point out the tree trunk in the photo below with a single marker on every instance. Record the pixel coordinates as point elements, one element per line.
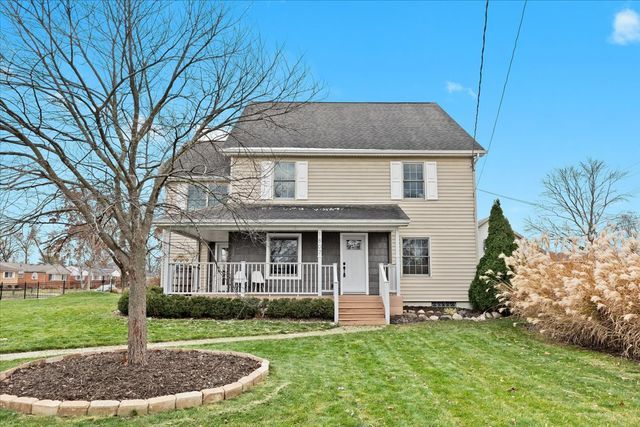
<point>134,274</point>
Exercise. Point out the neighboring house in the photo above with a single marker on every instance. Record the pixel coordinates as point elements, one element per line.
<point>355,200</point>
<point>483,232</point>
<point>107,274</point>
<point>13,273</point>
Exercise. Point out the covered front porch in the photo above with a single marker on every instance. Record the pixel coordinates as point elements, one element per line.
<point>296,257</point>
<point>286,263</point>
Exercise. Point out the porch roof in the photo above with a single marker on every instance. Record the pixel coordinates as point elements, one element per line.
<point>255,214</point>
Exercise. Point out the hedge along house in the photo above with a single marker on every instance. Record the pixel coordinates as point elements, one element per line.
<point>372,204</point>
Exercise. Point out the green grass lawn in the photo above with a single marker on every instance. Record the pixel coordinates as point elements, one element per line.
<point>90,319</point>
<point>440,373</point>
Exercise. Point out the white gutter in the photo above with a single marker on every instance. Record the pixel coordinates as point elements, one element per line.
<point>285,222</point>
<point>265,151</point>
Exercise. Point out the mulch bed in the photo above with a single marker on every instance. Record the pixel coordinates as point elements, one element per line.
<point>107,376</point>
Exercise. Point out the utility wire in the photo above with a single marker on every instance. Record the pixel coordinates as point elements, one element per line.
<point>484,40</point>
<point>508,197</point>
<point>504,88</point>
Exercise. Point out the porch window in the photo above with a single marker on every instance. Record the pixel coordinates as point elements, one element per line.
<point>199,197</point>
<point>284,180</point>
<point>284,253</point>
<point>415,256</point>
<point>413,180</point>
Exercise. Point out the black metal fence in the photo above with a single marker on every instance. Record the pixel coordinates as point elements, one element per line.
<point>37,290</point>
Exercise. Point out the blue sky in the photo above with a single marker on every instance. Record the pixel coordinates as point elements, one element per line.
<point>574,90</point>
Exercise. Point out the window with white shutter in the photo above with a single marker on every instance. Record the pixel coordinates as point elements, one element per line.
<point>395,172</point>
<point>302,180</point>
<point>431,175</point>
<point>266,180</point>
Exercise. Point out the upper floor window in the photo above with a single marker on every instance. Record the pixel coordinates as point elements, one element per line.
<point>199,197</point>
<point>413,180</point>
<point>284,180</point>
<point>415,256</point>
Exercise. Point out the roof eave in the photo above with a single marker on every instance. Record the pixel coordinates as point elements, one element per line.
<point>267,151</point>
<point>283,222</point>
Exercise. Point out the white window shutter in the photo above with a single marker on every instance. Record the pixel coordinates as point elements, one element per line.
<point>181,195</point>
<point>431,180</point>
<point>266,179</point>
<point>302,180</point>
<point>396,180</point>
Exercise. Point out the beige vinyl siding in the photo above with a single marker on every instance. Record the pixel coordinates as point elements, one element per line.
<point>182,248</point>
<point>449,222</point>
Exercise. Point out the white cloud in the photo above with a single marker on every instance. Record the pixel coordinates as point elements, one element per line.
<point>453,87</point>
<point>626,27</point>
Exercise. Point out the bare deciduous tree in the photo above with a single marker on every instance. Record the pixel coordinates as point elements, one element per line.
<point>26,239</point>
<point>628,223</point>
<point>103,98</point>
<point>577,200</point>
<point>8,248</point>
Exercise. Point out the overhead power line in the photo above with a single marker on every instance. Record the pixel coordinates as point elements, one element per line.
<point>508,197</point>
<point>504,87</point>
<point>484,42</point>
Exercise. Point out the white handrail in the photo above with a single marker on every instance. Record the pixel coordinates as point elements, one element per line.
<point>336,294</point>
<point>384,292</point>
<point>247,278</point>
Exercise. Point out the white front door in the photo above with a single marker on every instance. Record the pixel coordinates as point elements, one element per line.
<point>353,259</point>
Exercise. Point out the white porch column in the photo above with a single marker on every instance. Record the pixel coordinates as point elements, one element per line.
<point>319,262</point>
<point>166,253</point>
<point>398,260</point>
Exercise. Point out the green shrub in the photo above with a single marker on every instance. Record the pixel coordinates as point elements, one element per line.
<point>501,240</point>
<point>201,307</point>
<point>306,308</point>
<point>181,306</point>
<point>123,303</point>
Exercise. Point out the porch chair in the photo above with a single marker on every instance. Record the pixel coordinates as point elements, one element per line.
<point>257,281</point>
<point>239,279</point>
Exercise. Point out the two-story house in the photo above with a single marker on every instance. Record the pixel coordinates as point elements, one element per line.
<point>372,204</point>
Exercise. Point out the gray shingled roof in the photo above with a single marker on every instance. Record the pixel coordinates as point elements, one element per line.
<point>203,159</point>
<point>266,212</point>
<point>352,125</point>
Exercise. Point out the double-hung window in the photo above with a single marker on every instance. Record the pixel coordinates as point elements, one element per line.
<point>284,254</point>
<point>200,197</point>
<point>284,180</point>
<point>415,256</point>
<point>413,180</point>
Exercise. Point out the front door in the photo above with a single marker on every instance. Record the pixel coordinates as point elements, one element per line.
<point>353,258</point>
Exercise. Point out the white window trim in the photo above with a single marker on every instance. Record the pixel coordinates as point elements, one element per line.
<point>268,274</point>
<point>424,183</point>
<point>11,275</point>
<point>402,273</point>
<point>295,181</point>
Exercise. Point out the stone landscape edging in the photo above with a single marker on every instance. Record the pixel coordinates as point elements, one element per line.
<point>74,408</point>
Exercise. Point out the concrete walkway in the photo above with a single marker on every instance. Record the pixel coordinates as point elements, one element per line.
<point>335,331</point>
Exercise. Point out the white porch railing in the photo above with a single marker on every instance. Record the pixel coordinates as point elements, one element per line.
<point>390,271</point>
<point>383,278</point>
<point>305,278</point>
